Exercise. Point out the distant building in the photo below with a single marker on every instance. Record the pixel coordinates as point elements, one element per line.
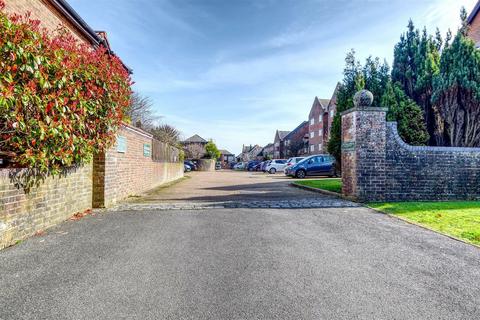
<point>268,151</point>
<point>296,142</point>
<point>226,157</point>
<point>194,147</point>
<point>250,153</point>
<point>474,24</point>
<point>279,144</point>
<point>320,121</point>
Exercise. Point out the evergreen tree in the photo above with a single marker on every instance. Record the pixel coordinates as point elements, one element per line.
<point>376,77</point>
<point>456,92</point>
<point>345,95</point>
<point>416,62</point>
<point>406,113</point>
<point>404,70</point>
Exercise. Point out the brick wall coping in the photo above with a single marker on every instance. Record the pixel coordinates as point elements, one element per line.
<point>392,126</point>
<point>369,109</point>
<point>137,130</point>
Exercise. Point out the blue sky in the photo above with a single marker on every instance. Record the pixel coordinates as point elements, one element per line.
<point>237,70</point>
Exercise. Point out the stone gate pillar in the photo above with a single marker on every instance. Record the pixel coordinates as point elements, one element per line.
<point>364,131</point>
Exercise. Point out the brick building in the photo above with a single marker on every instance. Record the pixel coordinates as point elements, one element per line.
<point>195,147</point>
<point>226,157</point>
<point>320,122</point>
<point>474,23</point>
<point>249,153</point>
<point>279,144</point>
<point>267,151</point>
<point>55,13</point>
<point>297,140</point>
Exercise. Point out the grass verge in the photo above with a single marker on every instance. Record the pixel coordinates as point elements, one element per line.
<point>460,219</point>
<point>333,185</point>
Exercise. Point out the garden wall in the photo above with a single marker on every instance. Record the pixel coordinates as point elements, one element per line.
<point>134,165</point>
<point>430,173</point>
<point>53,201</point>
<point>377,165</point>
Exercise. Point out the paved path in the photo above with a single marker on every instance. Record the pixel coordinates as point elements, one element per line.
<point>233,189</point>
<point>243,263</point>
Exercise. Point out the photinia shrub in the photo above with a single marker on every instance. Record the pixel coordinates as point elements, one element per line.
<point>61,101</point>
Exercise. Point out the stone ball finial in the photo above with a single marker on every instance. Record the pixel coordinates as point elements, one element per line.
<point>363,98</point>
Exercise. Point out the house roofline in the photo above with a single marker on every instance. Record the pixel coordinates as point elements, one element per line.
<point>474,13</point>
<point>296,129</point>
<point>74,18</point>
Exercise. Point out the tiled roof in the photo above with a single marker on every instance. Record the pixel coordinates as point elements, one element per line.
<point>282,134</point>
<point>296,129</point>
<point>226,152</point>
<point>474,12</point>
<point>195,139</point>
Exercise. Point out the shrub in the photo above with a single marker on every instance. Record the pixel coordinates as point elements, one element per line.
<point>212,150</point>
<point>60,101</point>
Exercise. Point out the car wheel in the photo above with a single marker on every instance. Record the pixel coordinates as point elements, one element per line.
<point>300,174</point>
<point>272,171</point>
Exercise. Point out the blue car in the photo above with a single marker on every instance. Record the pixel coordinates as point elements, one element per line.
<point>317,165</point>
<point>252,164</point>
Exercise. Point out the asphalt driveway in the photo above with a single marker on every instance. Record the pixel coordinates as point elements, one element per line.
<point>242,263</point>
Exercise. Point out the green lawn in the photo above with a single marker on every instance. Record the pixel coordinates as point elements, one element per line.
<point>458,219</point>
<point>334,185</point>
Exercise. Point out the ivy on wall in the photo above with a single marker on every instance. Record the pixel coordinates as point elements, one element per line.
<point>61,101</point>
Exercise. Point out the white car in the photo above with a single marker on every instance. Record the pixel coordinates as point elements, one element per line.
<point>276,165</point>
<point>291,162</point>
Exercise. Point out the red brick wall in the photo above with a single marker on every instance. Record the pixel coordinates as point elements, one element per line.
<point>57,198</point>
<point>118,175</point>
<point>474,31</point>
<point>42,10</point>
<point>315,138</point>
<point>53,201</point>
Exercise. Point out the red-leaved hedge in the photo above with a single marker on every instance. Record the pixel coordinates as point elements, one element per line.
<point>61,101</point>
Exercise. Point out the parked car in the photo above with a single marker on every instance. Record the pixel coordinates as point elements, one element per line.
<point>186,168</point>
<point>276,165</point>
<point>232,165</point>
<point>264,165</point>
<point>257,166</point>
<point>218,165</point>
<point>318,165</point>
<point>193,166</point>
<point>239,166</point>
<point>291,162</point>
<point>251,164</point>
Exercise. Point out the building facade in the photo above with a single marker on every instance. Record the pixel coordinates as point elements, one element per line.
<point>194,147</point>
<point>320,122</point>
<point>296,142</point>
<point>318,125</point>
<point>474,25</point>
<point>226,157</point>
<point>251,152</point>
<point>279,144</point>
